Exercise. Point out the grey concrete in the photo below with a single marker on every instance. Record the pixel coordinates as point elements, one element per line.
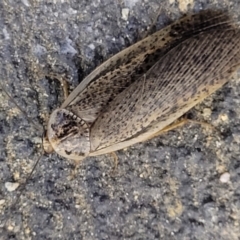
<point>169,188</point>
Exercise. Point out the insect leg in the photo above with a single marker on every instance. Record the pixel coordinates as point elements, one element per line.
<point>115,158</point>
<point>63,82</point>
<point>180,123</point>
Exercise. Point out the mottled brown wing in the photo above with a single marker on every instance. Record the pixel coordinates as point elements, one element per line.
<point>180,79</point>
<point>116,74</point>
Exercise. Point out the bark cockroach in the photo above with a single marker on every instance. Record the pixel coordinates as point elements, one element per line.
<point>138,92</point>
<point>152,83</point>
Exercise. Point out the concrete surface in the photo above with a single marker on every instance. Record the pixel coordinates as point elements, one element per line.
<point>182,185</point>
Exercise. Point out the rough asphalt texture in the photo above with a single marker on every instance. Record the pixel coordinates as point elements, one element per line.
<point>173,187</point>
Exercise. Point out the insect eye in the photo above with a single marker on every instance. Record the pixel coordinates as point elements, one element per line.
<point>68,135</point>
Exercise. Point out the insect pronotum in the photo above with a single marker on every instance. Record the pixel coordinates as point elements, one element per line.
<point>144,88</point>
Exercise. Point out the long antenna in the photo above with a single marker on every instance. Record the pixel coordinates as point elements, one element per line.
<point>23,186</point>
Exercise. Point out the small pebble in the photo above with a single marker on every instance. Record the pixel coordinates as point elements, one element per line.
<point>224,117</point>
<point>10,228</point>
<point>207,112</point>
<point>2,201</point>
<point>11,186</point>
<point>91,46</point>
<point>125,12</point>
<point>225,177</point>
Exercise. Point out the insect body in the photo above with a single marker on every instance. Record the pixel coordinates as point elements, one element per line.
<point>146,87</point>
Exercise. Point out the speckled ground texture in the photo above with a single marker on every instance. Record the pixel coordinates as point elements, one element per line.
<point>173,187</point>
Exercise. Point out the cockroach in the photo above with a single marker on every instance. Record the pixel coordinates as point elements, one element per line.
<point>135,94</point>
<point>140,91</point>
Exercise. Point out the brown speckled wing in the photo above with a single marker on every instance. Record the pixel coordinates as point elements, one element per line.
<point>192,68</point>
<point>115,75</point>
